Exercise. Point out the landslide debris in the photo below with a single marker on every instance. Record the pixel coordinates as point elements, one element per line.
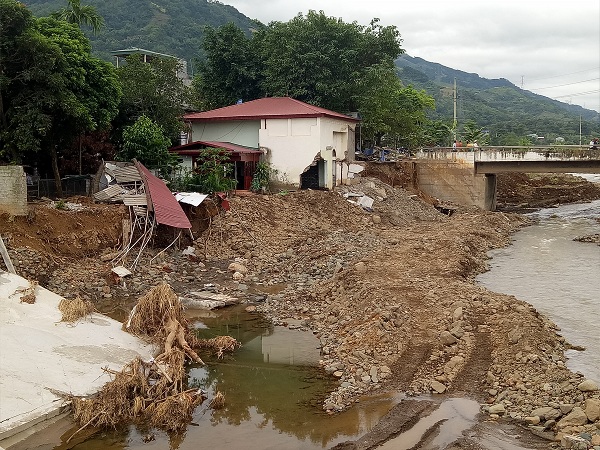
<point>389,292</point>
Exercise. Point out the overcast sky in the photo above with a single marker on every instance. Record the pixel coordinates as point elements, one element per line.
<point>549,47</point>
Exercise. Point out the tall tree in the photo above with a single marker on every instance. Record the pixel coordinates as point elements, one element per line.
<point>319,59</point>
<point>390,109</point>
<point>313,58</point>
<point>231,70</point>
<point>154,90</point>
<point>79,14</point>
<point>53,90</point>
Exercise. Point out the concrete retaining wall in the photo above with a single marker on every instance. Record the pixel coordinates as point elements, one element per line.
<point>13,190</point>
<point>456,182</point>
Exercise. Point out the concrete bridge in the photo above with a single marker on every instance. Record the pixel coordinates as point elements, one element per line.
<point>469,177</point>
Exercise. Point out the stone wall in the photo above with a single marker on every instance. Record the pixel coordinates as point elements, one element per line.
<point>455,181</point>
<point>13,190</point>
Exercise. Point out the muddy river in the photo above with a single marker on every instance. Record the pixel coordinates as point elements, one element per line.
<point>560,277</point>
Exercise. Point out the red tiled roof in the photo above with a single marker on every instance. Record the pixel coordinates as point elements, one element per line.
<point>197,145</point>
<point>167,209</point>
<point>267,108</point>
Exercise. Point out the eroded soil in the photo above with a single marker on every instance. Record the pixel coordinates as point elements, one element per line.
<point>389,292</point>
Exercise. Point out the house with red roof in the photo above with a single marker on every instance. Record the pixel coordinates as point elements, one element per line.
<point>309,146</point>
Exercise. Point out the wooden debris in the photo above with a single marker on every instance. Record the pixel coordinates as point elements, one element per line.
<point>153,392</point>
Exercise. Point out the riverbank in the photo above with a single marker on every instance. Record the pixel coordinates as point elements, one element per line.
<point>389,293</point>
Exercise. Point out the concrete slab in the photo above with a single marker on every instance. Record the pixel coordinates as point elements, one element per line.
<point>38,352</point>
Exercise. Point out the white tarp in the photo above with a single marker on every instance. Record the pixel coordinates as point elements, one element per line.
<point>191,198</point>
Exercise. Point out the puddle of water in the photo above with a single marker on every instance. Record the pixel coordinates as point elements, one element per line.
<point>273,397</point>
<point>453,416</point>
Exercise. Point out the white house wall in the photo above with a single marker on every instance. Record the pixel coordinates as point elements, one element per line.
<point>241,132</point>
<point>293,145</point>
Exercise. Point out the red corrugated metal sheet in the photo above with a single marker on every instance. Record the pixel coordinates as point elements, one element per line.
<point>267,108</point>
<point>167,209</point>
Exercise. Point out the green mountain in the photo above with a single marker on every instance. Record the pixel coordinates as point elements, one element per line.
<point>174,27</point>
<point>496,104</point>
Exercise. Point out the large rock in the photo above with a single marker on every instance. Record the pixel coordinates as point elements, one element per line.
<point>547,413</point>
<point>438,387</point>
<point>592,409</point>
<point>588,386</point>
<point>237,267</point>
<point>497,409</point>
<point>575,418</point>
<point>446,338</point>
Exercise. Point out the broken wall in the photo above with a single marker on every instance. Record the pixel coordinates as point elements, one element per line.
<point>13,190</point>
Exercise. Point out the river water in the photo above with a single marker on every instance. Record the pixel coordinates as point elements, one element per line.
<point>560,277</point>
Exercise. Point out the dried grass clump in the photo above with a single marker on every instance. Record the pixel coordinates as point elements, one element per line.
<point>220,344</point>
<point>153,392</point>
<point>149,392</point>
<point>75,309</point>
<point>152,310</point>
<point>218,401</point>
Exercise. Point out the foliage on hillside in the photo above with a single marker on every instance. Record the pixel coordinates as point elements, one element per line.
<point>506,111</point>
<point>174,27</point>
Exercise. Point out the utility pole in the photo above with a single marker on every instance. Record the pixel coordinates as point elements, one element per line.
<point>580,130</point>
<point>454,123</point>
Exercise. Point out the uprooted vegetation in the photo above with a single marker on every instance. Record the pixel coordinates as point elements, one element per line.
<point>153,392</point>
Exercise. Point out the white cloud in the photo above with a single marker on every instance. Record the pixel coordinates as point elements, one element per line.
<point>513,39</point>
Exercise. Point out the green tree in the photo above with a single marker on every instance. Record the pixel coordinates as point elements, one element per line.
<point>154,90</point>
<point>390,109</point>
<point>231,70</point>
<point>474,133</point>
<point>313,58</point>
<point>52,88</point>
<point>214,172</point>
<point>79,14</point>
<point>319,59</point>
<point>438,133</point>
<point>146,142</point>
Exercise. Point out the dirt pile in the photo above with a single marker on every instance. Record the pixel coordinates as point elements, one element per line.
<point>519,190</point>
<point>389,291</point>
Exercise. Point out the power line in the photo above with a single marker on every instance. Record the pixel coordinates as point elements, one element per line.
<point>578,93</point>
<point>566,84</point>
<point>565,74</point>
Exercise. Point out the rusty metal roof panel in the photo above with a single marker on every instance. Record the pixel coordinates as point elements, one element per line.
<point>167,209</point>
<point>267,108</point>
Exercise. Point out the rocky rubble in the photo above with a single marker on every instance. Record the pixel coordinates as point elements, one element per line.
<point>388,291</point>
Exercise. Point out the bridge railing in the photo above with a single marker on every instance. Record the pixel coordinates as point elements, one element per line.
<point>511,153</point>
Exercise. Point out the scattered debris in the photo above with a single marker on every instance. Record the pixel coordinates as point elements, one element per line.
<point>73,310</point>
<point>153,392</point>
<point>120,271</point>
<point>28,293</point>
<point>207,300</point>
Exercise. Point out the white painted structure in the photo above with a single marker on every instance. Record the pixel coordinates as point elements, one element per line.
<point>308,146</point>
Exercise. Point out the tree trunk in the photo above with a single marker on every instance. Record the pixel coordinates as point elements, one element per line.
<point>59,191</point>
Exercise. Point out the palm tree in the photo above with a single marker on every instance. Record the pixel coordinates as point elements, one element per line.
<point>81,15</point>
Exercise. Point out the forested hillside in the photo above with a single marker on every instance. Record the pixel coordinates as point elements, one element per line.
<point>499,106</point>
<point>174,27</point>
